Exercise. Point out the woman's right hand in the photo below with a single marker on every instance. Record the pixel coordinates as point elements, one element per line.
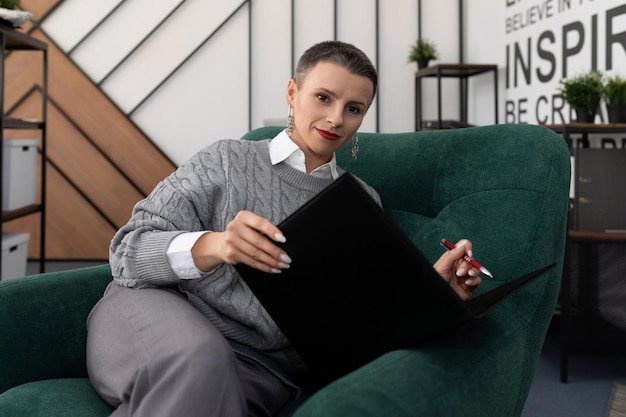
<point>452,266</point>
<point>248,239</point>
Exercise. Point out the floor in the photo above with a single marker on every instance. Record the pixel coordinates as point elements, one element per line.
<point>586,394</point>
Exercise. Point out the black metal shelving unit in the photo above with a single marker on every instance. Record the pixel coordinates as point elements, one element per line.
<point>14,40</point>
<point>582,329</point>
<point>459,71</point>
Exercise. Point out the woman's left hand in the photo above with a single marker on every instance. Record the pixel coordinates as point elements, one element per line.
<point>462,277</point>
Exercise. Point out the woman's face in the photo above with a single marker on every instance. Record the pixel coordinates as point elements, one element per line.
<point>328,108</point>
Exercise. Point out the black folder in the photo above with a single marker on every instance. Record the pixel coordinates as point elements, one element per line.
<point>357,286</point>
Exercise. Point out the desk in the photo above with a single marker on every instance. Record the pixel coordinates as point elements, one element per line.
<point>582,329</point>
<point>460,71</point>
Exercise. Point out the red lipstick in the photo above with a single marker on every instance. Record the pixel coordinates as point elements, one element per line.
<point>327,135</point>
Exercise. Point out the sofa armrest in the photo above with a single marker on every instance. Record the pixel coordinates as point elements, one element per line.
<point>42,320</point>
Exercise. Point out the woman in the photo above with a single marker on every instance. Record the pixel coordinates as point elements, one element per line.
<point>178,332</point>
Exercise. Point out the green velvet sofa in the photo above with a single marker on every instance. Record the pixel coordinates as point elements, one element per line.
<point>503,186</point>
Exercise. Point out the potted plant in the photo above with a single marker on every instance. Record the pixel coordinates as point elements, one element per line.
<point>422,51</point>
<point>13,18</point>
<point>9,4</point>
<point>583,93</point>
<point>614,95</point>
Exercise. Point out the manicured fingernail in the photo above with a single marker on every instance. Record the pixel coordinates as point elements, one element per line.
<point>468,282</point>
<point>469,252</point>
<point>275,271</point>
<point>460,272</point>
<point>280,237</point>
<point>472,273</point>
<point>282,265</point>
<point>285,258</point>
<point>462,243</point>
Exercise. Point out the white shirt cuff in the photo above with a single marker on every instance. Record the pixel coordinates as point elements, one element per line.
<point>179,255</point>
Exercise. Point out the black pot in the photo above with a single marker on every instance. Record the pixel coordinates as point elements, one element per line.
<point>583,115</point>
<point>616,112</point>
<point>422,63</point>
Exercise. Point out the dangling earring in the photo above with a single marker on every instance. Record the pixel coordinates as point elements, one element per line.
<point>289,120</point>
<point>355,146</point>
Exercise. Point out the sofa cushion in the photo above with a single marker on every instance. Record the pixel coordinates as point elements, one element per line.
<point>54,398</point>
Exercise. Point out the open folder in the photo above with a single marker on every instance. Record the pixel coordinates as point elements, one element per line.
<point>357,286</point>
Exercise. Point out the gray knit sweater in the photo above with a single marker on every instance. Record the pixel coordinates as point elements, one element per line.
<point>206,193</point>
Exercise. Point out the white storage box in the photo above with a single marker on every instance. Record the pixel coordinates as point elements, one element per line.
<point>14,250</point>
<point>19,173</point>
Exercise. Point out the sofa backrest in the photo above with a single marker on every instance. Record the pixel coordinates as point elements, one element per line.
<point>505,187</point>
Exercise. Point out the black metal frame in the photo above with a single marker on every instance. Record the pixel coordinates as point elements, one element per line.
<point>12,40</point>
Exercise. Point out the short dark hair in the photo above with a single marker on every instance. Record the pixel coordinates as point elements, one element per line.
<point>348,56</point>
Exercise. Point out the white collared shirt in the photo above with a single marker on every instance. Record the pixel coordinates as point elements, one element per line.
<point>281,149</point>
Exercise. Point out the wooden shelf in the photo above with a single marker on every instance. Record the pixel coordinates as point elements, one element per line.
<point>587,127</point>
<point>20,212</point>
<point>14,123</point>
<point>455,70</point>
<point>597,237</point>
<point>16,40</point>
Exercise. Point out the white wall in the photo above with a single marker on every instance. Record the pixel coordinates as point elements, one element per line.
<point>547,33</point>
<point>185,91</point>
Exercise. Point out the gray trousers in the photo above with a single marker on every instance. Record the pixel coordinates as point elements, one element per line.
<point>151,353</point>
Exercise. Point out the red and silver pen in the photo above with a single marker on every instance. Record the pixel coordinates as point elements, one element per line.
<point>468,258</point>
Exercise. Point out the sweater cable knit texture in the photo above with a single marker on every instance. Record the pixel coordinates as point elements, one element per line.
<point>206,193</point>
